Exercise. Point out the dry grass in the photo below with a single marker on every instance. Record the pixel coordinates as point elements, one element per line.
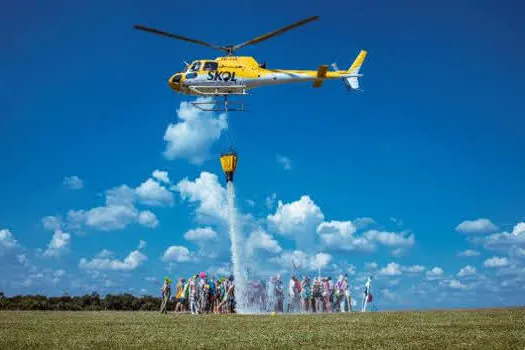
<point>474,329</point>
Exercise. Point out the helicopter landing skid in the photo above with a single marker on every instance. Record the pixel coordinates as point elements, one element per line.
<point>220,103</point>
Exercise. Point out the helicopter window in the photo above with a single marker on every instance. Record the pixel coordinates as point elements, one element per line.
<point>211,66</point>
<point>191,75</point>
<point>195,67</point>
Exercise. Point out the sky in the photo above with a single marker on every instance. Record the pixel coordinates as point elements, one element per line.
<point>110,181</point>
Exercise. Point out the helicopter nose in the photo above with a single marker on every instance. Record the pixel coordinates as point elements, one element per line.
<point>175,81</point>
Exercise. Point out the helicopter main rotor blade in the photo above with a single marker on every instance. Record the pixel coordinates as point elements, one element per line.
<point>178,37</point>
<point>276,32</point>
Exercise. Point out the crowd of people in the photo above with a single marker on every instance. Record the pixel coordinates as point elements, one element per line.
<point>200,294</point>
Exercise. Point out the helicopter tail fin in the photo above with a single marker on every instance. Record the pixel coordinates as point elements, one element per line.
<point>350,77</point>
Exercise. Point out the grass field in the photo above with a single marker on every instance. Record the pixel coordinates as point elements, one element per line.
<point>491,328</point>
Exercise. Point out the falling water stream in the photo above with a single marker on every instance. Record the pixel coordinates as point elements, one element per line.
<point>236,249</point>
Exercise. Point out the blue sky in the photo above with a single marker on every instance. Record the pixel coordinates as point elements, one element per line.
<point>434,140</point>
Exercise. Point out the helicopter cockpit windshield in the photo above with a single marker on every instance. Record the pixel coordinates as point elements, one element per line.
<point>195,66</point>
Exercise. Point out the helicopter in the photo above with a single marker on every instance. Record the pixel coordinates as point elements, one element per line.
<point>232,75</point>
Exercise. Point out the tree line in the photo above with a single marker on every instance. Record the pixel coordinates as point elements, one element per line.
<point>92,302</point>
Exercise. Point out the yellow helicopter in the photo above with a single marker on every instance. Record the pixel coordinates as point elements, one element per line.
<point>236,75</point>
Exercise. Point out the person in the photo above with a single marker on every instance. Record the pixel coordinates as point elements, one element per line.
<point>317,295</point>
<point>366,293</point>
<point>327,294</point>
<point>347,294</point>
<point>166,293</point>
<point>294,293</point>
<point>306,293</point>
<point>193,295</point>
<point>279,294</point>
<point>179,296</point>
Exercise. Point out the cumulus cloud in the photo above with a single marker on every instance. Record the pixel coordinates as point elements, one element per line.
<point>392,269</point>
<point>208,194</point>
<point>177,254</point>
<point>414,269</point>
<point>7,240</point>
<point>260,240</point>
<point>302,260</point>
<point>371,266</point>
<point>478,226</point>
<point>455,284</point>
<point>73,182</point>
<point>496,262</point>
<point>296,217</point>
<point>388,294</point>
<point>148,219</point>
<point>435,273</point>
<point>391,239</point>
<point>506,241</point>
<point>200,234</point>
<point>161,176</point>
<point>468,253</point>
<point>120,210</point>
<point>58,245</point>
<point>467,271</point>
<point>104,262</point>
<point>142,244</point>
<point>519,229</point>
<point>284,161</point>
<point>192,136</point>
<point>152,193</point>
<point>341,235</point>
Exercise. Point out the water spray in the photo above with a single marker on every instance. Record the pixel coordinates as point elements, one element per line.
<point>229,164</point>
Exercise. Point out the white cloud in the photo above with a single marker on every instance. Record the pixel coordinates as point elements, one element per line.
<point>270,201</point>
<point>120,211</point>
<point>161,175</point>
<point>208,193</point>
<point>340,235</point>
<point>296,217</point>
<point>302,260</point>
<point>468,253</point>
<point>414,269</point>
<point>361,223</point>
<point>51,222</point>
<point>455,284</point>
<point>260,240</point>
<point>467,271</point>
<point>519,229</point>
<point>120,195</point>
<point>435,273</point>
<point>391,239</point>
<point>392,269</point>
<point>321,260</point>
<point>371,266</point>
<point>177,254</point>
<point>58,245</point>
<point>131,262</point>
<point>7,240</point>
<point>152,193</point>
<point>142,244</point>
<point>388,294</point>
<point>73,182</point>
<point>200,234</point>
<point>107,218</point>
<point>193,135</point>
<point>478,226</point>
<point>284,161</point>
<point>148,219</point>
<point>351,270</point>
<point>496,262</point>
